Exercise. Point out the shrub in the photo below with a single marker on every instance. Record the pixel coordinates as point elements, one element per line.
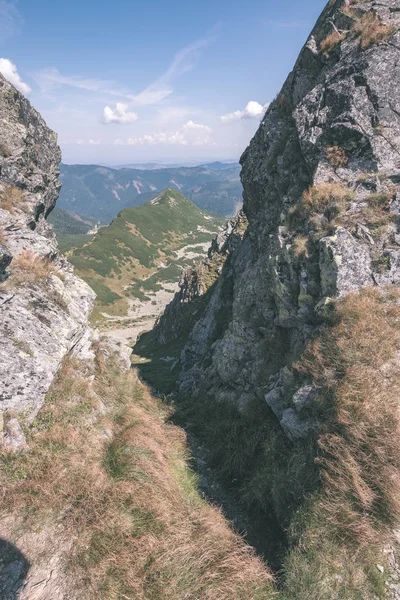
<point>370,29</point>
<point>28,267</point>
<point>12,198</point>
<point>336,156</point>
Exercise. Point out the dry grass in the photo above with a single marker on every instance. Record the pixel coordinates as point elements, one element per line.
<point>321,203</point>
<point>141,531</point>
<point>300,246</point>
<point>331,41</point>
<point>28,267</point>
<point>356,364</point>
<point>336,156</point>
<point>12,199</point>
<point>370,29</point>
<point>3,236</point>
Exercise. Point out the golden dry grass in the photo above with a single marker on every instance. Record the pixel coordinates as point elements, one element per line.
<point>300,246</point>
<point>370,29</point>
<point>28,267</point>
<point>122,488</point>
<point>330,42</point>
<point>356,363</point>
<point>12,199</point>
<point>327,200</point>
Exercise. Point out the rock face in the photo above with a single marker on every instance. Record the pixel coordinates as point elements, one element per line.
<point>320,184</point>
<point>44,308</point>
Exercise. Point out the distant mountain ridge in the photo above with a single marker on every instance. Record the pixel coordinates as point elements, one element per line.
<point>99,193</point>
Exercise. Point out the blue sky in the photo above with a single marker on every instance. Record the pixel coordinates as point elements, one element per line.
<point>143,80</point>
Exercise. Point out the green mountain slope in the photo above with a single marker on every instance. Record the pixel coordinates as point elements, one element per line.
<point>100,192</point>
<point>144,250</point>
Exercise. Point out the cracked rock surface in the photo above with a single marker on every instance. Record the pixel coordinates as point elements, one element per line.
<point>42,318</point>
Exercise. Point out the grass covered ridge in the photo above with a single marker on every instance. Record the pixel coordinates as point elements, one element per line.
<point>137,253</point>
<point>106,464</point>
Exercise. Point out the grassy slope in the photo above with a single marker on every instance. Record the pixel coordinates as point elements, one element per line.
<point>108,468</point>
<point>136,253</point>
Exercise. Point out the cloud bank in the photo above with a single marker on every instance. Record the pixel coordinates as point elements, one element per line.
<point>190,134</point>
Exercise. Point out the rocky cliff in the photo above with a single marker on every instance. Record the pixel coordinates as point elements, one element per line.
<point>44,308</point>
<point>289,374</point>
<point>320,193</point>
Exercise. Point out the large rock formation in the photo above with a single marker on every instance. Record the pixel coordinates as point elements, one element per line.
<point>320,193</point>
<point>44,308</point>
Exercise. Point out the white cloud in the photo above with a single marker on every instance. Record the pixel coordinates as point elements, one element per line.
<point>190,134</point>
<point>10,20</point>
<point>10,72</point>
<point>251,111</point>
<point>120,114</point>
<point>94,142</point>
<point>79,142</point>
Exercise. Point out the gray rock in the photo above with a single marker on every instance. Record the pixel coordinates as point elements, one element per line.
<point>345,264</point>
<point>304,397</point>
<point>295,427</point>
<point>41,321</point>
<point>268,301</point>
<point>14,437</point>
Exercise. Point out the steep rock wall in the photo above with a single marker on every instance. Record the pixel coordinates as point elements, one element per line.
<point>334,130</point>
<point>44,307</point>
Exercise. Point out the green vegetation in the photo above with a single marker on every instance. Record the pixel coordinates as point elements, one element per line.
<point>137,253</point>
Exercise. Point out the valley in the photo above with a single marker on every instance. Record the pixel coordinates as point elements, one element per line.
<point>135,263</point>
<point>199,397</point>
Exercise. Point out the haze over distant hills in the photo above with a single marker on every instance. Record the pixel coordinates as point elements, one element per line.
<point>98,192</point>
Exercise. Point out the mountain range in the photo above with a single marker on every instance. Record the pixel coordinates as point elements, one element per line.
<point>99,193</point>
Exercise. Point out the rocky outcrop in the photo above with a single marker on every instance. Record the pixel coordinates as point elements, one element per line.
<point>321,196</point>
<point>44,307</point>
<point>196,284</point>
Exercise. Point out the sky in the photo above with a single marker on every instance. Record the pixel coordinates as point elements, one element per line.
<point>134,81</point>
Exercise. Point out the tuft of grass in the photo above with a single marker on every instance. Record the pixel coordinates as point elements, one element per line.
<point>326,200</point>
<point>106,466</point>
<point>12,198</point>
<point>28,267</point>
<point>300,246</point>
<point>336,156</point>
<point>331,41</point>
<point>370,29</point>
